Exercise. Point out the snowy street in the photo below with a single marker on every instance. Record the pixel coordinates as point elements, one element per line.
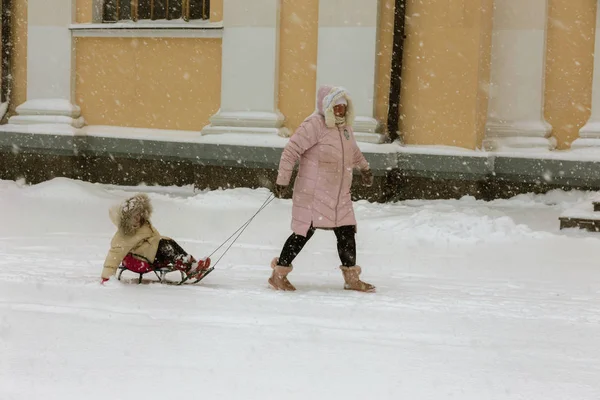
<point>475,300</point>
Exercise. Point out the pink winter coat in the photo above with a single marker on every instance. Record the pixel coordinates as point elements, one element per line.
<point>328,154</point>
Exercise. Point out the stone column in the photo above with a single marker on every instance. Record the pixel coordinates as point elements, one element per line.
<point>250,61</point>
<point>50,66</point>
<point>346,57</point>
<point>515,109</point>
<point>589,134</point>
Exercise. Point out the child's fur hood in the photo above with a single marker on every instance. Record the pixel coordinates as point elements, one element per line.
<point>123,214</point>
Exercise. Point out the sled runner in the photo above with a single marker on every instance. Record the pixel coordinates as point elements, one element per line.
<point>142,267</point>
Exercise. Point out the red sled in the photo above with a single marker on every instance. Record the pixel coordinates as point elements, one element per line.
<point>139,265</point>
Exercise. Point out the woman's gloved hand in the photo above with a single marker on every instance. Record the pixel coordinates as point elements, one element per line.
<point>367,178</point>
<point>278,190</point>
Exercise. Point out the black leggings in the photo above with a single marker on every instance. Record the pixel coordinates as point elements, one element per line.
<point>346,245</point>
<point>169,251</point>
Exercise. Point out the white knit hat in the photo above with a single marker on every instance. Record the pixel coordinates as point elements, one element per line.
<point>341,100</point>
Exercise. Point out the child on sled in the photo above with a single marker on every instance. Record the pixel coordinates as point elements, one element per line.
<point>137,241</point>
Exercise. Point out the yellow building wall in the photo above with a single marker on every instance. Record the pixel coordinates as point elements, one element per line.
<point>19,60</point>
<point>569,67</point>
<point>385,46</point>
<point>445,77</point>
<point>216,10</point>
<point>299,32</point>
<point>162,83</point>
<point>299,29</point>
<point>484,69</point>
<point>446,70</point>
<point>83,11</point>
<point>445,73</point>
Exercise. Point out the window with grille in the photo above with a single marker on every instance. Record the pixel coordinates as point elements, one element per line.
<point>134,10</point>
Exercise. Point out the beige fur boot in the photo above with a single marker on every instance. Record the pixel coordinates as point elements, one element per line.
<point>278,279</point>
<point>353,282</point>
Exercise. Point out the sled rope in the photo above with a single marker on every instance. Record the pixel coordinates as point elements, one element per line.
<point>240,230</point>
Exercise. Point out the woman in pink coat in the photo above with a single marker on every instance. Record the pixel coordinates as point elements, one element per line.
<point>325,145</point>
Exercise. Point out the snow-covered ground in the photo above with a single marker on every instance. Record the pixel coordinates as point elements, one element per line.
<point>475,300</point>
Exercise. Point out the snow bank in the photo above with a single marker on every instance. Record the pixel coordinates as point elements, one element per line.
<point>64,188</point>
<point>438,222</point>
<point>442,228</point>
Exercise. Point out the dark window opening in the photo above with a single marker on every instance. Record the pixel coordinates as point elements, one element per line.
<point>135,10</point>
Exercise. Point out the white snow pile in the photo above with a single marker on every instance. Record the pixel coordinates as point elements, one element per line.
<point>446,227</point>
